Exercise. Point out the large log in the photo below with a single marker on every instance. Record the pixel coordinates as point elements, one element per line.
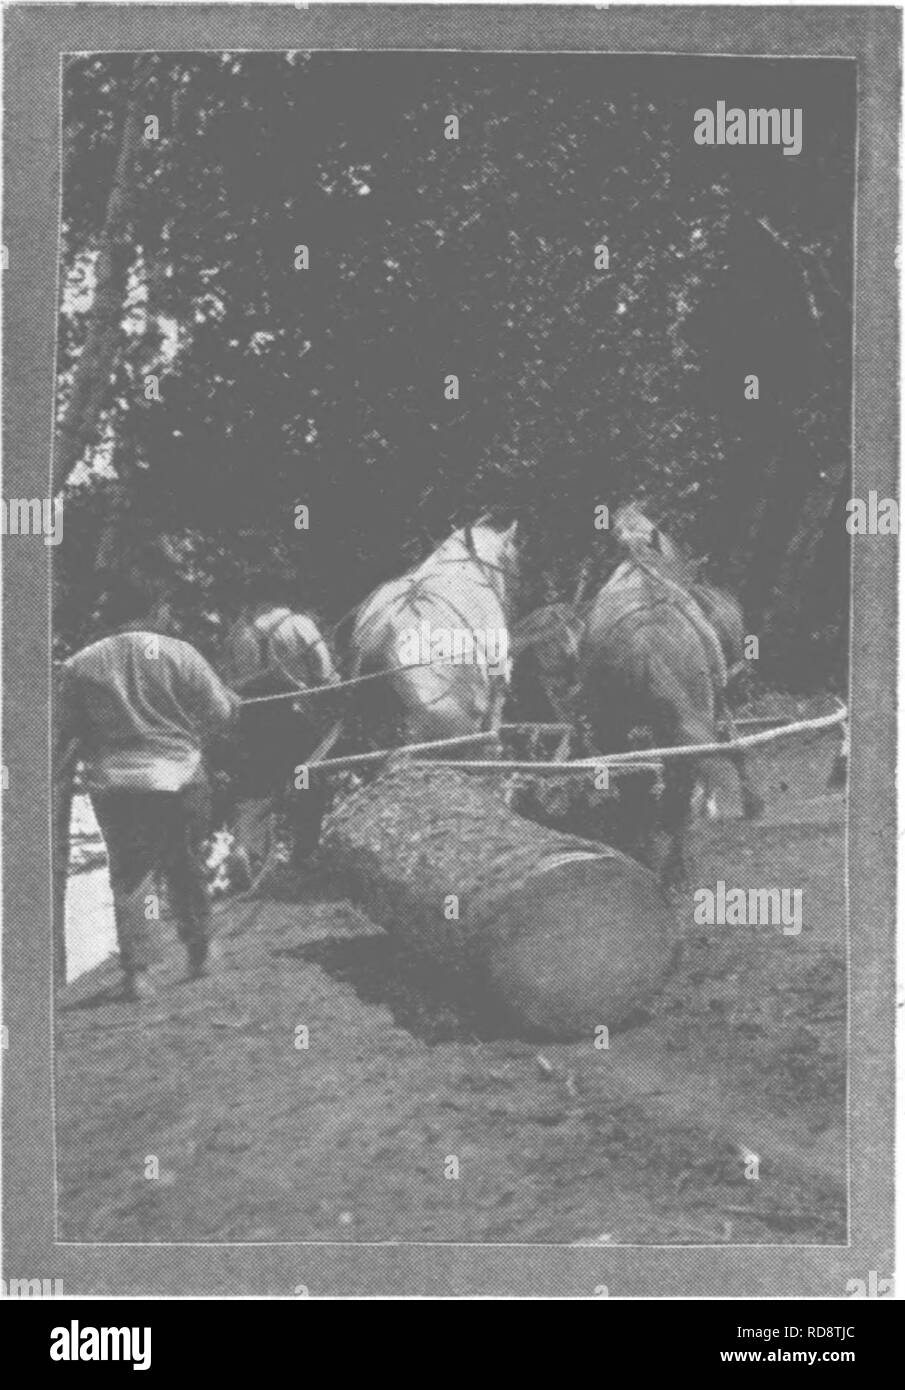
<point>558,933</point>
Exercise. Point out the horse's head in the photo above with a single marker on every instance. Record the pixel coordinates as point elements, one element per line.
<point>493,545</point>
<point>493,550</point>
<point>644,541</point>
<point>634,529</point>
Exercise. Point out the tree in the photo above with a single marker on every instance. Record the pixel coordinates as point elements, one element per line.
<point>582,379</point>
<point>92,373</point>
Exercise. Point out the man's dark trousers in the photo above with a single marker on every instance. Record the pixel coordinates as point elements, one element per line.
<point>154,836</point>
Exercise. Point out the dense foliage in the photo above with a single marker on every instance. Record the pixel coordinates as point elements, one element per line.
<point>474,256</point>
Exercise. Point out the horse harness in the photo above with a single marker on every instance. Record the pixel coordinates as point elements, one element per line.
<point>689,608</point>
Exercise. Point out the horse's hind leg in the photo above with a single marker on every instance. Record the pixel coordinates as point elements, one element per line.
<point>681,776</point>
<point>680,779</point>
<point>494,718</point>
<point>753,804</point>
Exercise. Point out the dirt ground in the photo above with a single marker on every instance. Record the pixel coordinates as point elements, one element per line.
<point>348,1139</point>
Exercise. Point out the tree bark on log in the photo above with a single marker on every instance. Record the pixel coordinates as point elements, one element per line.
<point>557,933</point>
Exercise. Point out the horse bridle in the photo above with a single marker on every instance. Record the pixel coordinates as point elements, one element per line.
<point>508,572</point>
<point>672,595</point>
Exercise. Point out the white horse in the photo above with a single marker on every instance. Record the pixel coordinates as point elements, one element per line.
<point>443,628</point>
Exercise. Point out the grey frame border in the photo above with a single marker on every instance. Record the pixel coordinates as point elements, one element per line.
<point>35,36</point>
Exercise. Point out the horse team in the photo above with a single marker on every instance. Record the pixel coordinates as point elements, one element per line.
<point>654,647</point>
<point>145,713</point>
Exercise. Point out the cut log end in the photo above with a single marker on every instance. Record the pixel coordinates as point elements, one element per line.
<point>586,942</point>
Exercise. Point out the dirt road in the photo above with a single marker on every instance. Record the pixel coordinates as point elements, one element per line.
<point>738,1067</point>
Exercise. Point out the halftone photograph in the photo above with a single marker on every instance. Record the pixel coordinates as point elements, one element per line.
<point>452,517</point>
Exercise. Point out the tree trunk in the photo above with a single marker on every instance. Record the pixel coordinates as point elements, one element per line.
<point>557,933</point>
<point>816,514</point>
<point>116,250</point>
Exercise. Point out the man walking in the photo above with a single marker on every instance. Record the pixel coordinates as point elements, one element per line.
<point>144,709</point>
